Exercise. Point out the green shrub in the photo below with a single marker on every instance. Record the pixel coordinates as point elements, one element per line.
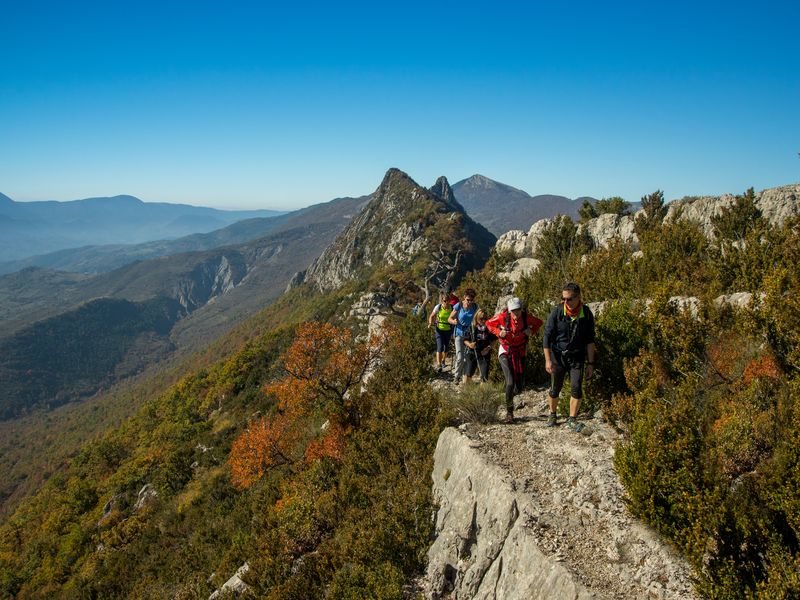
<point>619,335</point>
<point>475,403</point>
<point>356,582</point>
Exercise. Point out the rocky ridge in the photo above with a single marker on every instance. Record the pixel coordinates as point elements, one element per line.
<point>527,511</point>
<point>402,224</point>
<point>776,204</point>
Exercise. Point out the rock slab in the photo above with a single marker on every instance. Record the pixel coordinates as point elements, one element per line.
<point>526,511</point>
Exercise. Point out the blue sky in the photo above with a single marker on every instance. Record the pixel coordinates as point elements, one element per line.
<point>262,105</point>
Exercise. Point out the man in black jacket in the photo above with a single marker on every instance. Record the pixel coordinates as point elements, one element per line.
<point>569,349</point>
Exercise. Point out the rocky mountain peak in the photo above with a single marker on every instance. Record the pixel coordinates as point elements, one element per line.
<point>442,190</point>
<point>480,181</point>
<point>401,225</point>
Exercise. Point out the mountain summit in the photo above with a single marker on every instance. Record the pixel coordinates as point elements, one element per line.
<point>399,229</point>
<point>501,207</point>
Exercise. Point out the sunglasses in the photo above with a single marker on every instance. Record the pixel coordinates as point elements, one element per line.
<point>569,298</point>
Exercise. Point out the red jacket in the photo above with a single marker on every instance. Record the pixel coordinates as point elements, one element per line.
<point>515,339</point>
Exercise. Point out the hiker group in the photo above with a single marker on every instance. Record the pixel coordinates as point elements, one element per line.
<point>567,343</point>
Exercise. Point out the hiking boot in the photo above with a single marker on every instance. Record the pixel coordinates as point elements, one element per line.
<point>575,425</point>
<point>570,423</point>
<point>552,420</point>
<point>509,418</point>
<point>441,369</point>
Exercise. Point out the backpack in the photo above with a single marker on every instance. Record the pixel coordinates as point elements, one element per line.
<point>524,318</point>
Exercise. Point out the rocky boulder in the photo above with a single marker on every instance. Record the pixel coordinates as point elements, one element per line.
<point>147,494</point>
<point>234,586</point>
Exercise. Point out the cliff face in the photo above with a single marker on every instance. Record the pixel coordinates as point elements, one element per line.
<point>531,512</point>
<point>209,280</point>
<point>400,226</point>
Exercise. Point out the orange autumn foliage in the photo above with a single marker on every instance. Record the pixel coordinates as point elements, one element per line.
<point>764,366</point>
<point>324,367</point>
<point>331,445</point>
<point>263,445</point>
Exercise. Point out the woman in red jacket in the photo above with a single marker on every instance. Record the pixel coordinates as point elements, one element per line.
<point>513,326</point>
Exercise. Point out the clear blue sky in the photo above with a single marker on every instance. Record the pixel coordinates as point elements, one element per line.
<point>262,105</point>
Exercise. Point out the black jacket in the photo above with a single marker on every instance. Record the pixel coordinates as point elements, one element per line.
<point>569,336</point>
<point>482,336</point>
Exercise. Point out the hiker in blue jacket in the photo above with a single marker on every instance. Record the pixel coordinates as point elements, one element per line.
<point>461,318</point>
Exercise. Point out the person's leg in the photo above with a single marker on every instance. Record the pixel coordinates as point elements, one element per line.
<point>556,383</point>
<point>505,365</point>
<point>576,388</point>
<point>443,338</point>
<point>441,348</point>
<point>469,365</point>
<point>483,365</point>
<point>519,374</point>
<point>458,367</point>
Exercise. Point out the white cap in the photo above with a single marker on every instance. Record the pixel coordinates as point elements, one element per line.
<point>514,303</point>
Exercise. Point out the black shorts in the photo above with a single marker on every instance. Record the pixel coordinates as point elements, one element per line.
<point>563,366</point>
<point>442,339</point>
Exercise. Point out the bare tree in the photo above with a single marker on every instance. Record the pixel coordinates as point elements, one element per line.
<point>440,272</point>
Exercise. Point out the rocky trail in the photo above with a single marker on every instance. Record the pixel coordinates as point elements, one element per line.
<point>528,511</point>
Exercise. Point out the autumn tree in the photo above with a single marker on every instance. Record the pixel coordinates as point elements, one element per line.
<point>324,368</point>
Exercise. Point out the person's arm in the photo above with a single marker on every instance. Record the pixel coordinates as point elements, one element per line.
<point>493,325</point>
<point>591,350</point>
<point>433,316</point>
<point>490,338</point>
<point>590,353</point>
<point>549,328</point>
<point>453,318</point>
<point>534,324</point>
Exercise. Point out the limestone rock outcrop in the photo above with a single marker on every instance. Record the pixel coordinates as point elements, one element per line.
<point>776,204</point>
<point>529,512</point>
<point>234,586</point>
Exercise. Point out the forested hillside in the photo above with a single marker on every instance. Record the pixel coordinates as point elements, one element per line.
<point>307,453</point>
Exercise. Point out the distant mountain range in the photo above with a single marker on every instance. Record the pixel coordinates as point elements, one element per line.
<point>101,259</point>
<point>46,315</point>
<point>501,208</point>
<point>33,228</point>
